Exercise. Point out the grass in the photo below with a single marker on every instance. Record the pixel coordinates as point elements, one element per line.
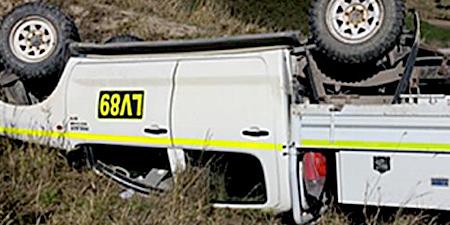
<point>432,9</point>
<point>181,19</point>
<point>435,35</point>
<point>39,187</point>
<point>210,18</point>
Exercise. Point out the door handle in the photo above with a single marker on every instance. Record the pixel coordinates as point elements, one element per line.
<point>155,130</point>
<point>255,132</point>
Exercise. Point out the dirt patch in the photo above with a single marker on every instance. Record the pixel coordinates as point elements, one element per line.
<point>432,9</point>
<point>101,21</point>
<point>445,24</point>
<point>178,19</point>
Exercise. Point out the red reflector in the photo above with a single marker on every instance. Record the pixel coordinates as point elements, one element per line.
<point>314,173</point>
<point>314,166</point>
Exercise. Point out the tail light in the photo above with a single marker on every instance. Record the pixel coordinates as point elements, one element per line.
<point>314,173</point>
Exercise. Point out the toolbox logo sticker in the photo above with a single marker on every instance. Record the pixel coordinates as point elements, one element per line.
<point>121,105</point>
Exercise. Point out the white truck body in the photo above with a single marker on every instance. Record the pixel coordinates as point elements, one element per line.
<point>210,100</point>
<point>204,100</point>
<point>412,136</point>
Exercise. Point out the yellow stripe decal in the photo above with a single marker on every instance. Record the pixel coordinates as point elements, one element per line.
<point>229,144</point>
<point>28,132</point>
<point>117,138</point>
<point>375,145</point>
<point>144,140</point>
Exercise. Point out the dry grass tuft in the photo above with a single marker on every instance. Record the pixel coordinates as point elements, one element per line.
<point>99,20</point>
<point>38,187</point>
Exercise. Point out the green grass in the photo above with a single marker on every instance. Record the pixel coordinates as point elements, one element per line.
<point>436,36</point>
<point>431,34</point>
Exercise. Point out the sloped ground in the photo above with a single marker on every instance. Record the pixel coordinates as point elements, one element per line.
<point>436,23</point>
<point>175,19</point>
<point>38,187</point>
<point>151,20</point>
<point>432,9</point>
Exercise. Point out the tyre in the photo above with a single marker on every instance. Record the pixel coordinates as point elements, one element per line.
<point>124,38</point>
<point>356,31</point>
<point>34,40</point>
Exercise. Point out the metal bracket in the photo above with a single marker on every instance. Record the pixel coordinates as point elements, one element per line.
<point>314,78</point>
<point>14,90</point>
<point>303,49</point>
<point>410,62</point>
<point>7,79</point>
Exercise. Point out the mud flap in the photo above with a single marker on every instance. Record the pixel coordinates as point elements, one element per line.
<point>177,160</point>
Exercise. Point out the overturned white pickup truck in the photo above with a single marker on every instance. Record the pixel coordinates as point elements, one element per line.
<point>286,125</point>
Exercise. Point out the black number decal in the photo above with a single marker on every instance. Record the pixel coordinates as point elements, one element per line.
<point>121,105</point>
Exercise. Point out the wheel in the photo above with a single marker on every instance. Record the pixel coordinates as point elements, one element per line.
<point>123,38</point>
<point>356,31</point>
<point>34,40</point>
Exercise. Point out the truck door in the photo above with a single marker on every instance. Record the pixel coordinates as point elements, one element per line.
<point>120,101</point>
<point>229,105</point>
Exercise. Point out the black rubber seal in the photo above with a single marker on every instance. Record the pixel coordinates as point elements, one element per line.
<point>246,41</point>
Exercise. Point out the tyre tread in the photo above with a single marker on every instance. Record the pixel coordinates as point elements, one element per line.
<point>54,65</point>
<point>374,50</point>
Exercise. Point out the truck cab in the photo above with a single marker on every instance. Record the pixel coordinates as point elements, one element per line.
<point>166,109</point>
